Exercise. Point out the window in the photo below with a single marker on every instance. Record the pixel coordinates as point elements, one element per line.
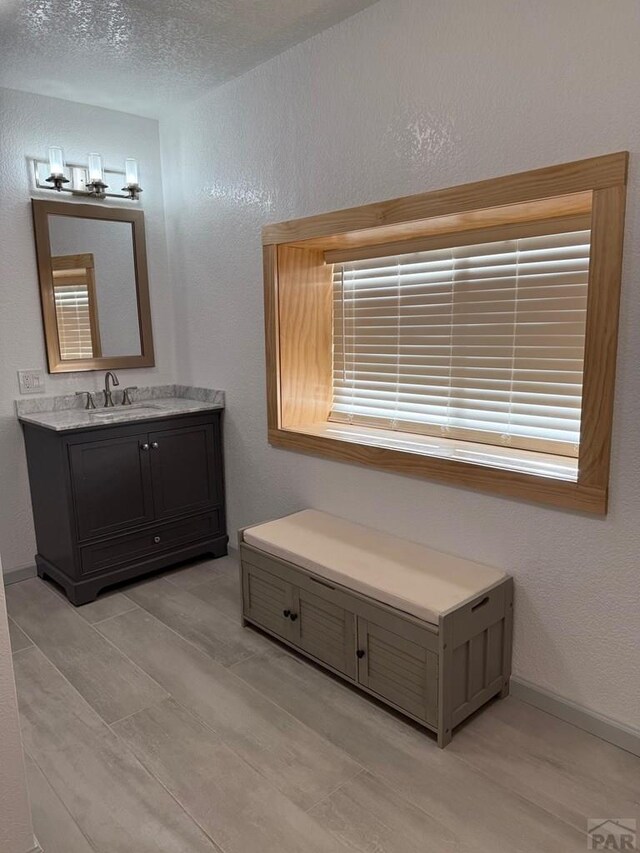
<point>437,337</point>
<point>482,343</point>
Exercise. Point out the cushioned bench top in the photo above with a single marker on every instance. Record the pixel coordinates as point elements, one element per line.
<point>405,575</point>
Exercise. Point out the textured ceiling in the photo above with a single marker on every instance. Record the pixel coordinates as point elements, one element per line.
<point>140,55</point>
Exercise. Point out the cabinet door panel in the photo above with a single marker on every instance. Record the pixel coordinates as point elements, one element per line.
<point>399,670</point>
<point>183,465</point>
<point>111,484</point>
<point>326,631</point>
<point>267,600</point>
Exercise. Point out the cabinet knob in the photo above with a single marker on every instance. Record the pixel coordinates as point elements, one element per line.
<point>144,446</point>
<point>156,539</point>
<point>293,617</point>
<point>360,653</point>
<point>286,613</point>
<point>154,445</point>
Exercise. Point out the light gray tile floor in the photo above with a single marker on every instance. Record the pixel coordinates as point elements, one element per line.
<point>153,722</point>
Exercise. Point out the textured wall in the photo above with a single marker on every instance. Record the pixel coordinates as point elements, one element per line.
<point>28,124</point>
<point>404,97</point>
<point>16,833</point>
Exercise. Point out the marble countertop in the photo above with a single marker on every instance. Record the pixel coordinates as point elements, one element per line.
<point>65,413</point>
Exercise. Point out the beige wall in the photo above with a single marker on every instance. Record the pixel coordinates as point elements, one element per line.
<point>16,832</point>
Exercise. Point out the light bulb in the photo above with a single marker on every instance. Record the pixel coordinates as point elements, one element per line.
<point>56,162</point>
<point>95,168</point>
<point>131,172</point>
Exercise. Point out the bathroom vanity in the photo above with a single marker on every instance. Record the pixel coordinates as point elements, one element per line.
<point>121,492</point>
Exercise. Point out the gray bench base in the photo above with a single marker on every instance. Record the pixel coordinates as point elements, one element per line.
<point>436,675</point>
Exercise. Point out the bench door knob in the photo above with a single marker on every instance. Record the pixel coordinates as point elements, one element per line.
<point>360,653</point>
<point>293,617</point>
<point>286,613</point>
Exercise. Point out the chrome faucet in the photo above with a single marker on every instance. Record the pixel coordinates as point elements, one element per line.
<point>108,399</point>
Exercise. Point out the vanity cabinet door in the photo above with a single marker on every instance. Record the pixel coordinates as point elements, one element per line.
<point>185,470</point>
<point>111,485</point>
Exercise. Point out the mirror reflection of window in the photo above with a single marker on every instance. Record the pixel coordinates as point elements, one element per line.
<point>114,292</point>
<point>74,291</point>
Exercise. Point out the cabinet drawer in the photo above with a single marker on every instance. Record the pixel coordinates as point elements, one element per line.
<point>105,555</point>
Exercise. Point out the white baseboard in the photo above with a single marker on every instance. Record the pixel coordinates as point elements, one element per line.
<point>625,737</point>
<point>22,573</point>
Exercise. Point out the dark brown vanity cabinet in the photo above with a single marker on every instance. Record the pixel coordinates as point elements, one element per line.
<point>114,502</point>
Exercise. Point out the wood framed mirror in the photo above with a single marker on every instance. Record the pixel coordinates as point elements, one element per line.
<point>94,286</point>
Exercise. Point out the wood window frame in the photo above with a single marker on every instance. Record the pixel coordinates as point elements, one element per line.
<point>298,317</point>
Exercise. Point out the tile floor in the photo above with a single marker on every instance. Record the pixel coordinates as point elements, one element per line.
<point>153,722</point>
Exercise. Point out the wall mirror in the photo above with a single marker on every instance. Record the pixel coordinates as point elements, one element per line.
<point>94,288</point>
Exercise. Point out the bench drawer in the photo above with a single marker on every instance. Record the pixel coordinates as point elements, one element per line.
<point>156,540</point>
<point>398,670</point>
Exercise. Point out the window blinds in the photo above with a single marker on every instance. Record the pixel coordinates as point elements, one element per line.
<point>484,343</point>
<point>74,320</point>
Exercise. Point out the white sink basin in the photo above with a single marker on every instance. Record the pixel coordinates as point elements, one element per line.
<point>123,411</point>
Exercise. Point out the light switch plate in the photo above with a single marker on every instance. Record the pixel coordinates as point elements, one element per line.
<point>31,381</point>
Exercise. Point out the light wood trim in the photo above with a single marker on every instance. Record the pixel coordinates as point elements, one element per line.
<point>576,204</point>
<point>42,209</point>
<point>305,293</point>
<point>511,231</point>
<point>72,262</point>
<point>272,334</point>
<point>599,181</point>
<point>550,182</point>
<point>511,484</point>
<point>601,339</point>
<point>94,321</point>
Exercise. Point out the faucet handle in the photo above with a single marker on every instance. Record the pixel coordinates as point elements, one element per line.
<point>89,402</point>
<point>126,399</point>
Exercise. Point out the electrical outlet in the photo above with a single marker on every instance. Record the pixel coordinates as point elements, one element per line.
<point>31,381</point>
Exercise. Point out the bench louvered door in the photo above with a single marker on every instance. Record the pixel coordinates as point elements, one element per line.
<point>399,670</point>
<point>325,630</point>
<point>268,600</point>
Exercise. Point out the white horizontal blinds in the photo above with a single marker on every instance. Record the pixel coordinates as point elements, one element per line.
<point>483,343</point>
<point>73,316</point>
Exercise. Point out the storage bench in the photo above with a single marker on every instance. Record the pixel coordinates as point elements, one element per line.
<point>427,633</point>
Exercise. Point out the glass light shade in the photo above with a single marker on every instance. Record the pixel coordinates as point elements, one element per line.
<point>131,172</point>
<point>56,162</point>
<point>95,168</point>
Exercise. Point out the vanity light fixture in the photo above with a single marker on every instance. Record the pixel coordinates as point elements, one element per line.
<point>96,185</point>
<point>91,180</point>
<point>132,185</point>
<point>56,168</point>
